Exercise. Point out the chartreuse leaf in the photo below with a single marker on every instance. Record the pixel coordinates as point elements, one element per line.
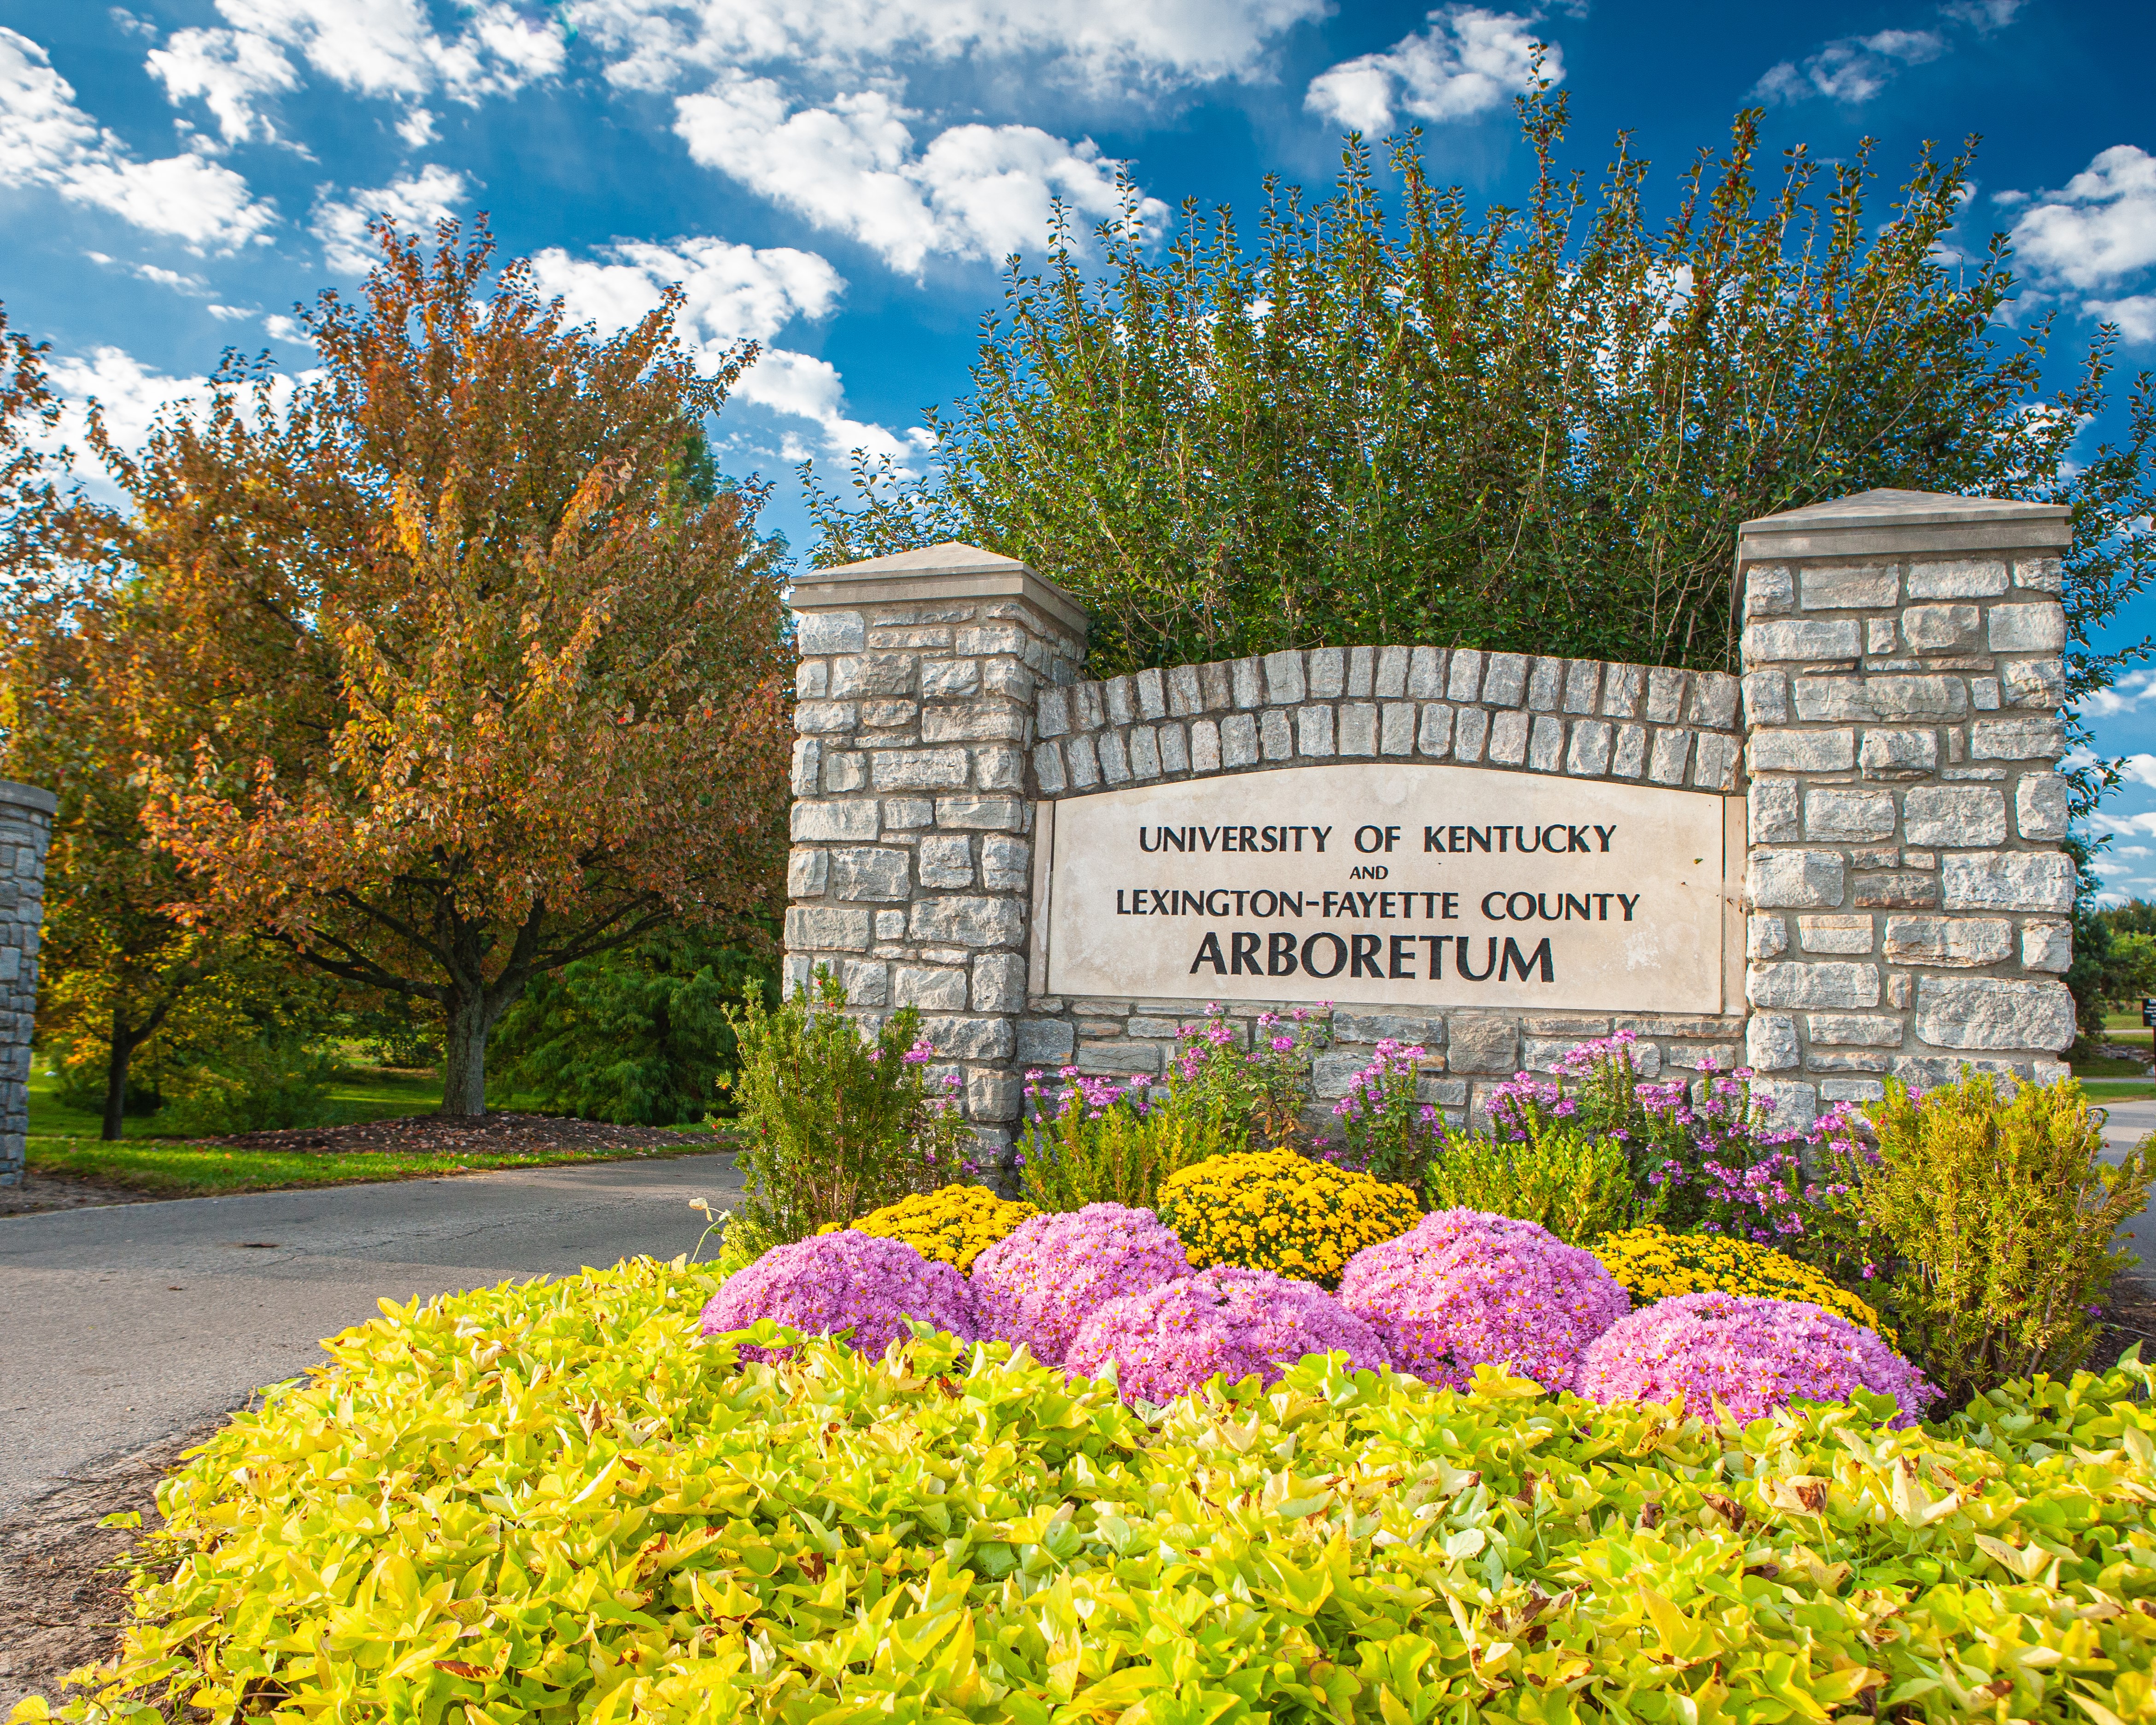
<point>554,1505</point>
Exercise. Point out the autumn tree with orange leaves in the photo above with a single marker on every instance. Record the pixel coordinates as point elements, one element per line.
<point>444,671</point>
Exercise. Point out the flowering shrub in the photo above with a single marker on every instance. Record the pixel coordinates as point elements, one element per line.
<point>1039,1285</point>
<point>833,1123</point>
<point>841,1282</point>
<point>1108,1143</point>
<point>1235,1322</point>
<point>1265,1084</point>
<point>1654,1264</point>
<point>1751,1355</point>
<point>1466,1289</point>
<point>953,1226</point>
<point>1577,1188</point>
<point>1389,1132</point>
<point>1274,1209</point>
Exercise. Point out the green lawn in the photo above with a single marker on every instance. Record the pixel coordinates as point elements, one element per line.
<point>64,1141</point>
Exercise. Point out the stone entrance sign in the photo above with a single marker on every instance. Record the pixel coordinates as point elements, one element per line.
<point>1396,884</point>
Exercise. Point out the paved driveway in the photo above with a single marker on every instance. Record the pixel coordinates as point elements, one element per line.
<point>122,1326</point>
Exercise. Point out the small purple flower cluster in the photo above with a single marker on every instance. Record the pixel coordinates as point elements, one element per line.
<point>1753,1355</point>
<point>842,1282</point>
<point>1093,1094</point>
<point>1463,1289</point>
<point>1040,1284</point>
<point>1237,1322</point>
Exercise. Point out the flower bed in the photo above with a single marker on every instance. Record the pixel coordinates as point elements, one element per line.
<point>952,1224</point>
<point>551,1503</point>
<point>1038,1287</point>
<point>1653,1264</point>
<point>1273,1209</point>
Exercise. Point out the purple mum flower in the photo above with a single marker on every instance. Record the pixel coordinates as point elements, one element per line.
<point>1040,1284</point>
<point>1169,1341</point>
<point>842,1281</point>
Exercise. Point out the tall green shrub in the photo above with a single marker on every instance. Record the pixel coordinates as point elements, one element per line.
<point>834,1123</point>
<point>1578,1188</point>
<point>1995,1217</point>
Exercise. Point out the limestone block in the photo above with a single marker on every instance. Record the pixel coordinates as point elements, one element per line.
<point>1392,680</point>
<point>1767,697</point>
<point>851,817</point>
<point>907,814</point>
<point>1785,880</point>
<point>816,718</point>
<point>1795,1105</point>
<point>1248,678</point>
<point>1480,1045</point>
<point>808,766</point>
<point>827,928</point>
<point>1145,752</point>
<point>2038,628</point>
<point>1994,1012</point>
<point>1954,815</point>
<point>1115,758</point>
<point>1436,734</point>
<point>939,769</point>
<point>1388,1027</point>
<point>1331,1074</point>
<point>1714,700</point>
<point>1665,690</point>
<point>1508,737</point>
<point>1898,754</point>
<point>993,814</point>
<point>1044,1042</point>
<point>2041,805</point>
<point>2009,880</point>
<point>1273,732</point>
<point>1006,863</point>
<point>1469,732</point>
<point>1834,934</point>
<point>1545,685</point>
<point>1205,756</point>
<point>1671,754</point>
<point>871,873</point>
<point>1118,1060</point>
<point>1630,759</point>
<point>806,872</point>
<point>961,920</point>
<point>1907,891</point>
<point>1850,1090</point>
<point>1779,751</point>
<point>831,632</point>
<point>1396,727</point>
<point>812,679</point>
<point>1828,983</point>
<point>1802,639</point>
<point>1957,941</point>
<point>1239,740</point>
<point>1714,760</point>
<point>1465,681</point>
<point>1505,679</point>
<point>1153,694</point>
<point>944,679</point>
<point>1879,636</point>
<point>2047,946</point>
<point>2039,574</point>
<point>888,716</point>
<point>932,988</point>
<point>1083,763</point>
<point>1984,694</point>
<point>1849,587</point>
<point>1186,699</point>
<point>1546,743</point>
<point>866,981</point>
<point>2042,739</point>
<point>977,721</point>
<point>1313,732</point>
<point>2035,682</point>
<point>998,768</point>
<point>1621,688</point>
<point>1089,706</point>
<point>857,676</point>
<point>1358,728</point>
<point>1588,756</point>
<point>1866,1030</point>
<point>992,1098</point>
<point>1765,936</point>
<point>1972,579</point>
<point>1328,673</point>
<point>1843,813</point>
<point>1770,1042</point>
<point>1285,685</point>
<point>947,860</point>
<point>1051,716</point>
<point>999,983</point>
<point>1769,590</point>
<point>1426,673</point>
<point>1942,628</point>
<point>845,770</point>
<point>1886,697</point>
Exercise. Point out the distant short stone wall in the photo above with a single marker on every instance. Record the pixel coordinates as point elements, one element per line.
<point>26,825</point>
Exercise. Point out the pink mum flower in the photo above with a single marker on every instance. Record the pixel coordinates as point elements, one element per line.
<point>1237,1322</point>
<point>1040,1284</point>
<point>842,1281</point>
<point>1757,1355</point>
<point>1463,1289</point>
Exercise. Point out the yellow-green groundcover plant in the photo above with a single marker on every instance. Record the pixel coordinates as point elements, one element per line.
<point>551,1503</point>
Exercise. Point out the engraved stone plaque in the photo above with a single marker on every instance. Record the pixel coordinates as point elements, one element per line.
<point>1400,885</point>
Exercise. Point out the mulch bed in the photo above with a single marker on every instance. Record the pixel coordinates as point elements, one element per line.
<point>36,1192</point>
<point>493,1134</point>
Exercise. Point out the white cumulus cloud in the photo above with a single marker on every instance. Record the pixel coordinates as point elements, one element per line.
<point>415,200</point>
<point>46,139</point>
<point>1468,61</point>
<point>1108,46</point>
<point>1851,69</point>
<point>852,166</point>
<point>730,292</point>
<point>382,48</point>
<point>2101,227</point>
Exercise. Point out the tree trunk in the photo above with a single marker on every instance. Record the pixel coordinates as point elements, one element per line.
<point>464,1056</point>
<point>116,1080</point>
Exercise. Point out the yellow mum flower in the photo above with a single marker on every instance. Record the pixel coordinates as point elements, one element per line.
<point>954,1224</point>
<point>1273,1209</point>
<point>1656,1264</point>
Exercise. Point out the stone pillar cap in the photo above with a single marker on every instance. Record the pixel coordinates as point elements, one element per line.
<point>1891,523</point>
<point>29,796</point>
<point>948,571</point>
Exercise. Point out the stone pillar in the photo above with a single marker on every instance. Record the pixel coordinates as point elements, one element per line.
<point>26,827</point>
<point>912,870</point>
<point>1909,902</point>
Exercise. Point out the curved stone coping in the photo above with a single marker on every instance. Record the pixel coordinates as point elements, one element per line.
<point>35,797</point>
<point>1580,717</point>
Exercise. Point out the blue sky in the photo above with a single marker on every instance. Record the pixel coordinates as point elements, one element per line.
<point>840,179</point>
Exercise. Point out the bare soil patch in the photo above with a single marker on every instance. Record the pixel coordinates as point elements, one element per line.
<point>2129,1316</point>
<point>493,1134</point>
<point>37,1193</point>
<point>63,1578</point>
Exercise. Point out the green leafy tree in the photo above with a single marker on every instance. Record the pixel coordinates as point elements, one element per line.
<point>639,1035</point>
<point>1535,428</point>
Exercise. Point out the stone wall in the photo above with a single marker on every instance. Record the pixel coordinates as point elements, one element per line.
<point>26,824</point>
<point>1579,718</point>
<point>912,870</point>
<point>1909,903</point>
